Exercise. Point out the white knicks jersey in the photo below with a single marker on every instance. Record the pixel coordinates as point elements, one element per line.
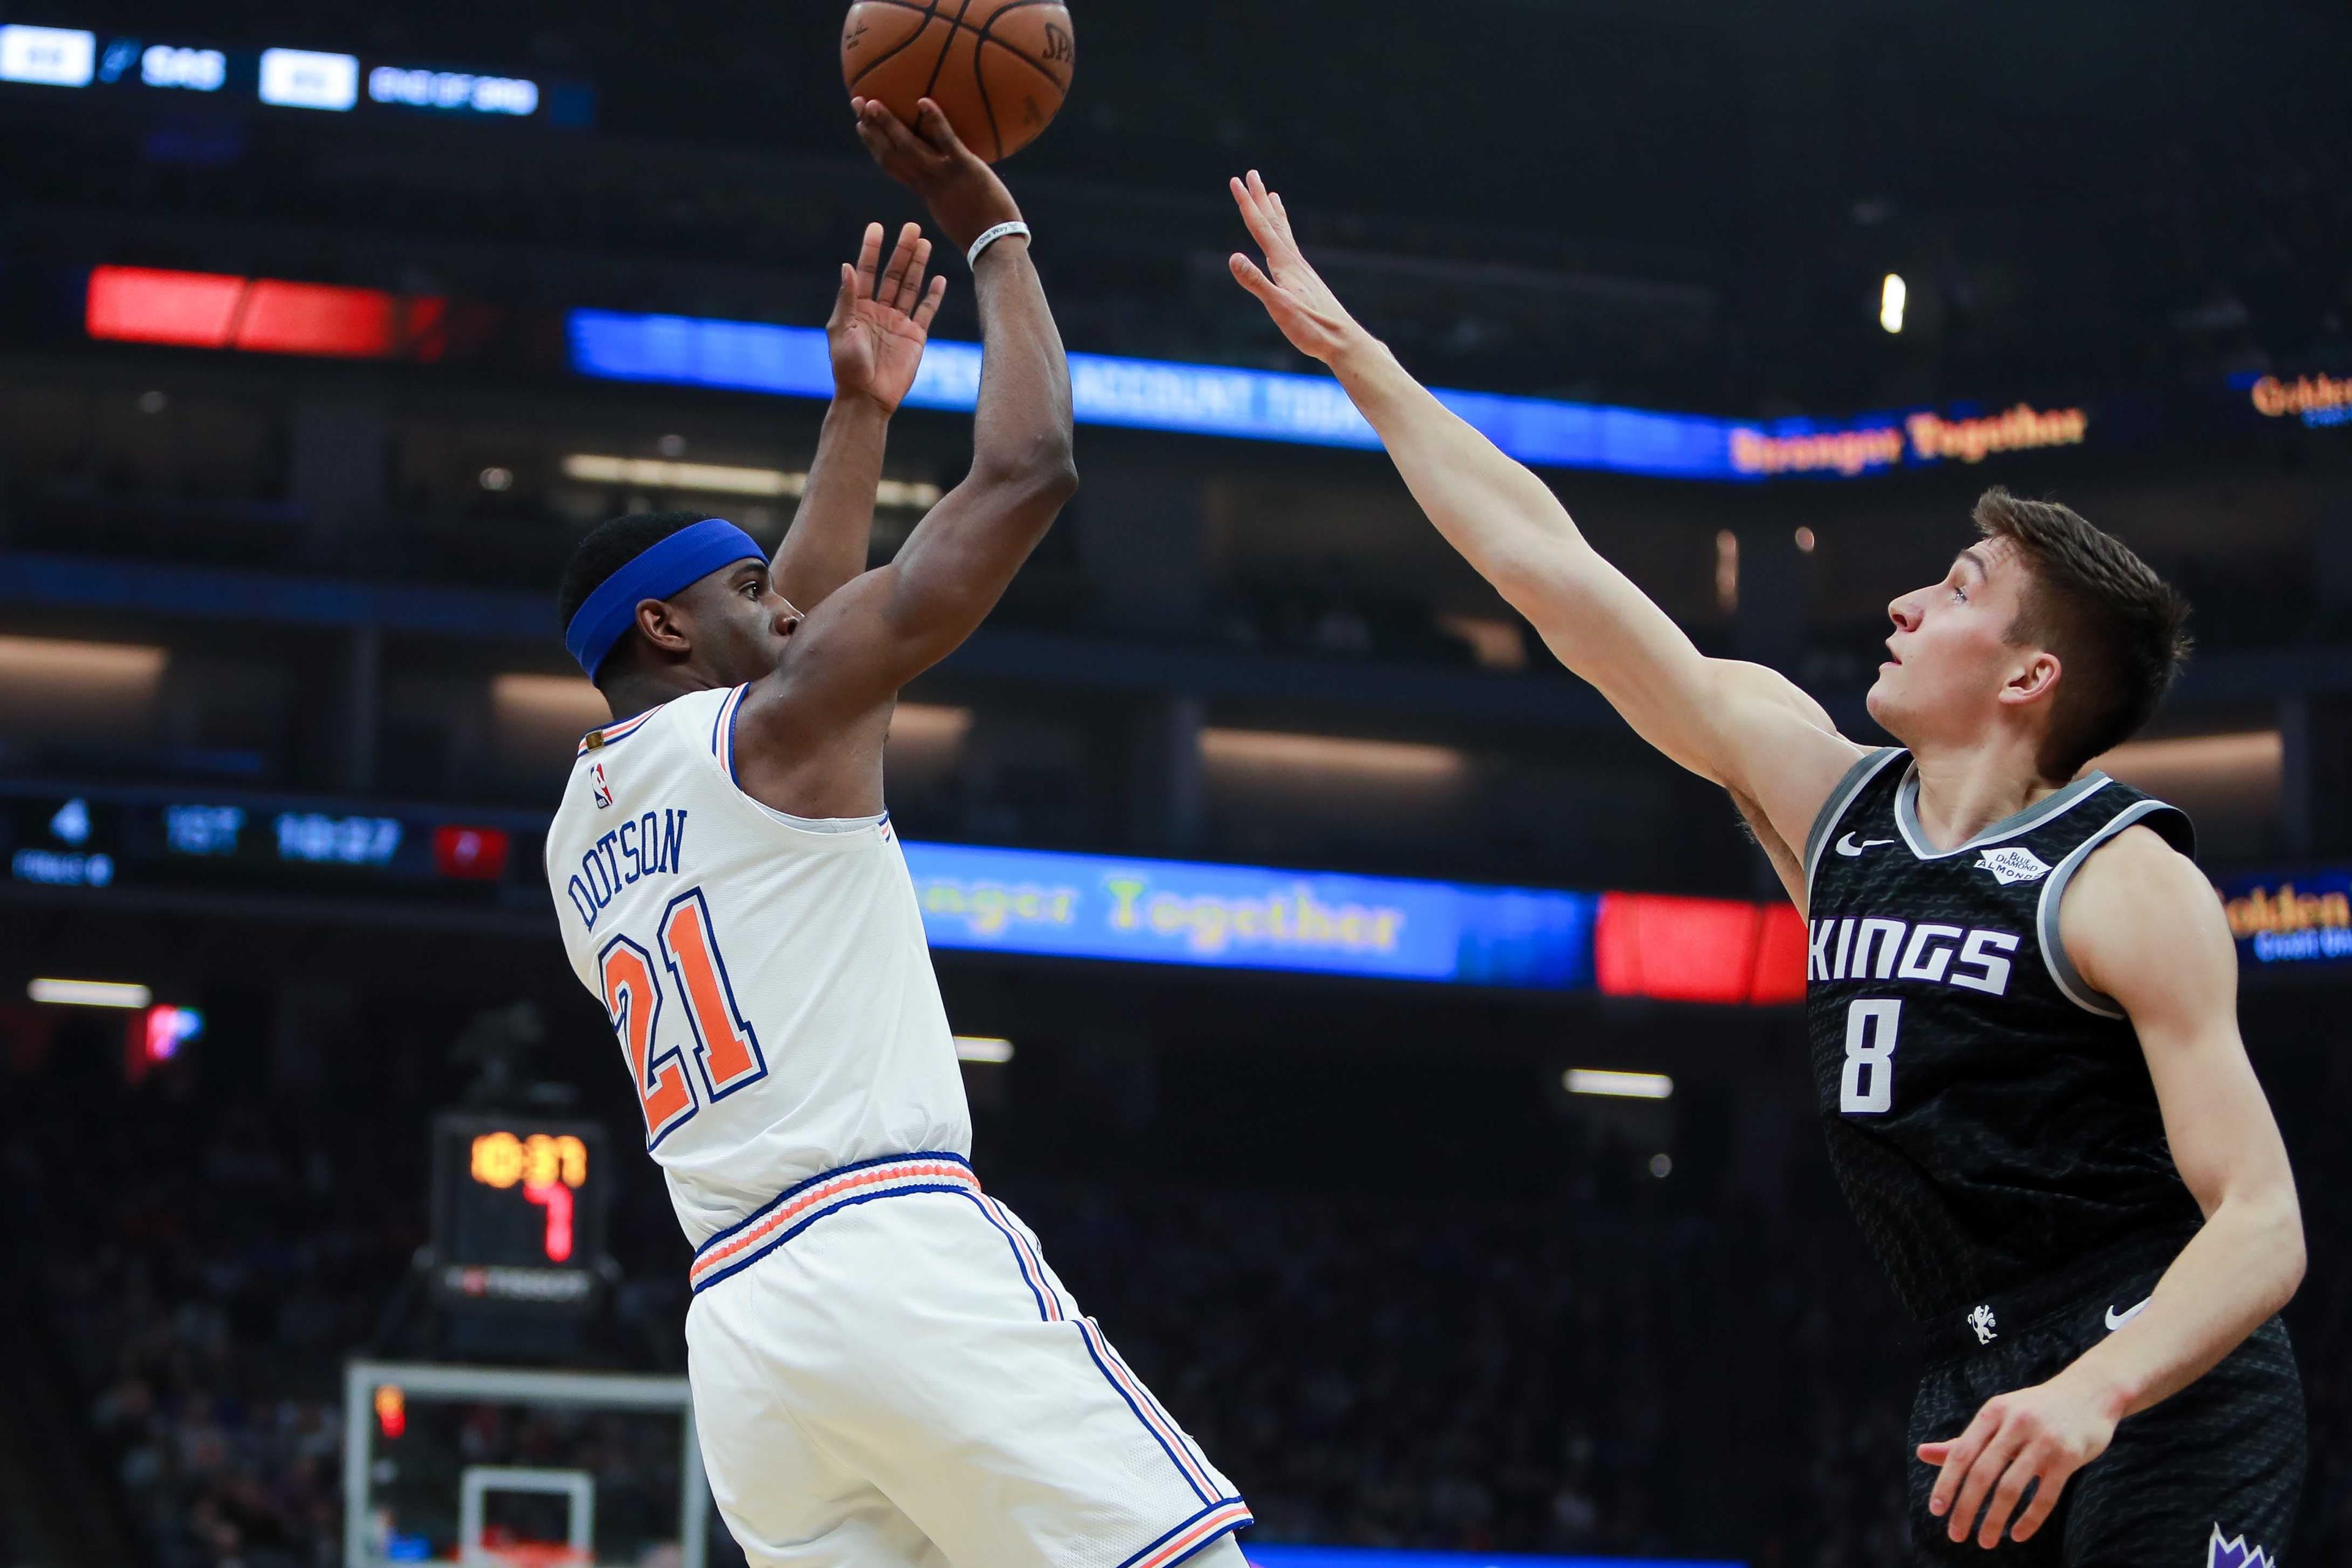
<point>768,981</point>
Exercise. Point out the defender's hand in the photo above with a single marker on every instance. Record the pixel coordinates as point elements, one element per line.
<point>878,327</point>
<point>2045,1432</point>
<point>964,194</point>
<point>1301,304</point>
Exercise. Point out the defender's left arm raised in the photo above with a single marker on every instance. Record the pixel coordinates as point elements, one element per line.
<point>2142,924</point>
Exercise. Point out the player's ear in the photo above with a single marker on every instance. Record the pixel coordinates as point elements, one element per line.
<point>2033,677</point>
<point>662,623</point>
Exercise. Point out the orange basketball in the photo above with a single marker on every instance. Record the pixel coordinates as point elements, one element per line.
<point>999,68</point>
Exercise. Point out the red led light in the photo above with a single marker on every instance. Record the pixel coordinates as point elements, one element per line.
<point>1676,949</point>
<point>556,1198</point>
<point>261,315</point>
<point>471,854</point>
<point>1779,957</point>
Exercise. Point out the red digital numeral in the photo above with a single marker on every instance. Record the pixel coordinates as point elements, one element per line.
<point>556,1198</point>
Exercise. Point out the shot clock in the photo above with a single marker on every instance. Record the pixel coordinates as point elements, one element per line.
<point>517,1210</point>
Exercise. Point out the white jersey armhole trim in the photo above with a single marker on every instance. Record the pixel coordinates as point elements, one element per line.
<point>834,832</point>
<point>1841,799</point>
<point>2063,972</point>
<point>826,824</point>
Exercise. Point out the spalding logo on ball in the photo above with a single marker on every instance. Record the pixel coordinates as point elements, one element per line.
<point>1000,68</point>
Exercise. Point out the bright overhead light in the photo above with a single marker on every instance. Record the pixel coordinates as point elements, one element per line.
<point>983,1048</point>
<point>89,994</point>
<point>1620,1085</point>
<point>1892,295</point>
<point>1329,753</point>
<point>714,478</point>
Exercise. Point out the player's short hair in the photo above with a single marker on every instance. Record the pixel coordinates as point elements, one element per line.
<point>608,547</point>
<point>2118,629</point>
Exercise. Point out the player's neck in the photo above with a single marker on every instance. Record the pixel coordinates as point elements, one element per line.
<point>642,690</point>
<point>1964,792</point>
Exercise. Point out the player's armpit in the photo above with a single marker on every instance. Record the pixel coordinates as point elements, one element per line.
<point>1753,730</point>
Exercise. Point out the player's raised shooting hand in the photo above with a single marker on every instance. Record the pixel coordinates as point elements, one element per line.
<point>1298,299</point>
<point>881,323</point>
<point>964,194</point>
<point>2038,1435</point>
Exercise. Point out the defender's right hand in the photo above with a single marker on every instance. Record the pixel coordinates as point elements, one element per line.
<point>964,194</point>
<point>1298,299</point>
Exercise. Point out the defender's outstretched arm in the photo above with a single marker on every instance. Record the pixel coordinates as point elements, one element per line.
<point>1509,525</point>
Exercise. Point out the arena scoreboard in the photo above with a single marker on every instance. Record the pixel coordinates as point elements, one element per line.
<point>231,841</point>
<point>517,1210</point>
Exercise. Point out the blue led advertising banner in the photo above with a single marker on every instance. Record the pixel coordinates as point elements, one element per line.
<point>1381,1557</point>
<point>1271,405</point>
<point>2304,917</point>
<point>1247,916</point>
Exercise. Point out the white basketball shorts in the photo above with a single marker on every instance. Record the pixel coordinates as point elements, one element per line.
<point>885,1375</point>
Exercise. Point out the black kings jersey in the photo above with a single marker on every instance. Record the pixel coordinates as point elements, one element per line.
<point>1990,1117</point>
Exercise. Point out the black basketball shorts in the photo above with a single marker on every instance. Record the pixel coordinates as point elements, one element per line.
<point>2209,1479</point>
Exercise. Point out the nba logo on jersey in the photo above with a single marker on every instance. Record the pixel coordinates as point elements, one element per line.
<point>2235,1553</point>
<point>604,790</point>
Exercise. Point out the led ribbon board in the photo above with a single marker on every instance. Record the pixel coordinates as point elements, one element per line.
<point>1248,917</point>
<point>1311,410</point>
<point>973,899</point>
<point>1381,1557</point>
<point>2300,917</point>
<point>313,80</point>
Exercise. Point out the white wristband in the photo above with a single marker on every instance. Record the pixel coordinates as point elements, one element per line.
<point>971,257</point>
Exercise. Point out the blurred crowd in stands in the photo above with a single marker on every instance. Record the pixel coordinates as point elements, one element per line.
<point>1592,1374</point>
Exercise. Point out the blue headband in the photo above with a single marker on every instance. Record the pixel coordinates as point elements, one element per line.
<point>685,557</point>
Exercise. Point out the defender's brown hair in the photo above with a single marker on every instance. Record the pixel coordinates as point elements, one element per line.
<point>2115,625</point>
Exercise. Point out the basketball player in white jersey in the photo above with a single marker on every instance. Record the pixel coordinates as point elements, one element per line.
<point>885,1371</point>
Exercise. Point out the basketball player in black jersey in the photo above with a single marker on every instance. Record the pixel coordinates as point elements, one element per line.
<point>2022,995</point>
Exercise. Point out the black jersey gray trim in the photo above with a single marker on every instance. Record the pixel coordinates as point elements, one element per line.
<point>2069,979</point>
<point>1825,821</point>
<point>1915,837</point>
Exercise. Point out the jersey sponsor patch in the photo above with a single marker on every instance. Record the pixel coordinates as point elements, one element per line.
<point>2012,865</point>
<point>2235,1553</point>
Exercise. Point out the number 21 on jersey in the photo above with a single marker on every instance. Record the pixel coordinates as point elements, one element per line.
<point>1868,1086</point>
<point>726,1048</point>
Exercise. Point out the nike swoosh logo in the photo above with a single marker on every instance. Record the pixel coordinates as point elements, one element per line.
<point>2117,1320</point>
<point>1847,847</point>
